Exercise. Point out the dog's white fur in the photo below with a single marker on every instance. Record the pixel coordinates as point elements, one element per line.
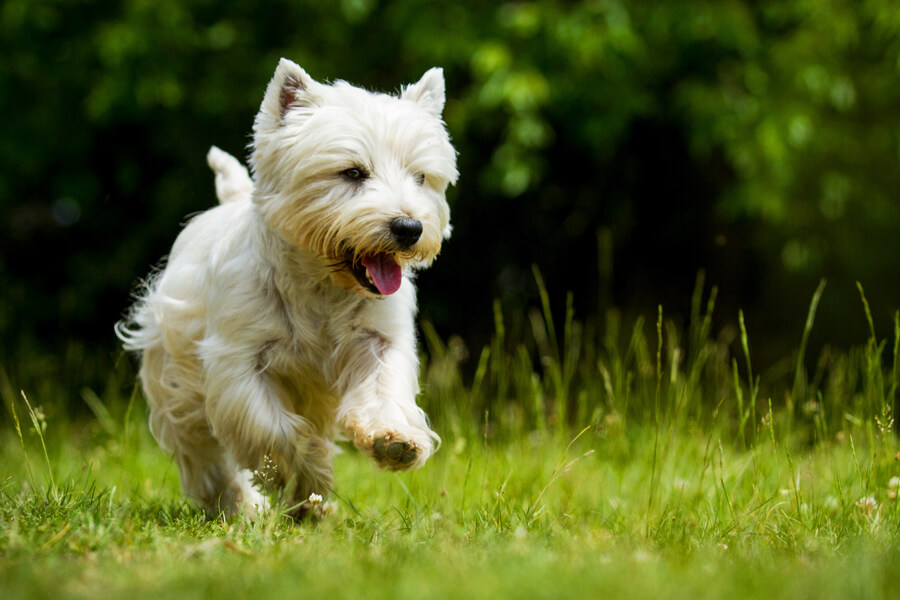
<point>258,346</point>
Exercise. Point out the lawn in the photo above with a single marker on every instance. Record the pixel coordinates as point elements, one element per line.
<point>641,462</point>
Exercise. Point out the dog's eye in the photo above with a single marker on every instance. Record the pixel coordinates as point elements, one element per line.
<point>355,173</point>
<point>420,178</point>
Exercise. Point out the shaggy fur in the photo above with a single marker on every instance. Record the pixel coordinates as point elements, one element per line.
<point>284,317</point>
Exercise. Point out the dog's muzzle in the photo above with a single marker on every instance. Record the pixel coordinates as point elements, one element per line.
<point>379,271</point>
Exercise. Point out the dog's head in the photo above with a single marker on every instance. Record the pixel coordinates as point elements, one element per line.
<point>358,178</point>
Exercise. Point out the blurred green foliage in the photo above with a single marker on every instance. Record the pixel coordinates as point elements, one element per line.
<point>756,140</point>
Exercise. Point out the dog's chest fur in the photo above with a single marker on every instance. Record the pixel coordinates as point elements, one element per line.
<point>329,338</point>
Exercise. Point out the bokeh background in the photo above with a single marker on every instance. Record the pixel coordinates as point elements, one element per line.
<point>621,147</point>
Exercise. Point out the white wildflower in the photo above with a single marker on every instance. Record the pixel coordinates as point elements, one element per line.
<point>315,498</point>
<point>680,484</point>
<point>868,504</point>
<point>893,487</point>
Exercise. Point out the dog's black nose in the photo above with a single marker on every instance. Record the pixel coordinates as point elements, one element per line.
<point>406,231</point>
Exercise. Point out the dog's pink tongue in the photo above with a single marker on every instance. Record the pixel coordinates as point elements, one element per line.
<point>385,272</point>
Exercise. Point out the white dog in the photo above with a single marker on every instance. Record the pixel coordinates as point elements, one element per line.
<point>284,317</point>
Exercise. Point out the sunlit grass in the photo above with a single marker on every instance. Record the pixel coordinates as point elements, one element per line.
<point>632,464</point>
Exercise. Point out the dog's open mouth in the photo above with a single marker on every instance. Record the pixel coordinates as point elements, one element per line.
<point>378,273</point>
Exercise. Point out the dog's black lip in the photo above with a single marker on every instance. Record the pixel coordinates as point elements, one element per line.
<point>359,272</point>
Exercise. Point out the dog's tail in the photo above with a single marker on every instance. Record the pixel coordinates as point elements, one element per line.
<point>232,179</point>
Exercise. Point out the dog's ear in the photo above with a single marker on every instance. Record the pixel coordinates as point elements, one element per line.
<point>428,91</point>
<point>290,87</point>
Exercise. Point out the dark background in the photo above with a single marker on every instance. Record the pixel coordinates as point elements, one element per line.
<point>619,146</point>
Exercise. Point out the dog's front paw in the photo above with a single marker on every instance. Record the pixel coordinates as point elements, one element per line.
<point>395,454</point>
<point>394,451</point>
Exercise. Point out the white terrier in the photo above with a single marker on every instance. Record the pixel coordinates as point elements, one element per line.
<point>284,317</point>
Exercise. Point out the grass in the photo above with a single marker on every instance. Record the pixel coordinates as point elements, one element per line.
<point>575,462</point>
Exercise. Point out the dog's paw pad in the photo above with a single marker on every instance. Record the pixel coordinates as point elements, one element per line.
<point>395,454</point>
